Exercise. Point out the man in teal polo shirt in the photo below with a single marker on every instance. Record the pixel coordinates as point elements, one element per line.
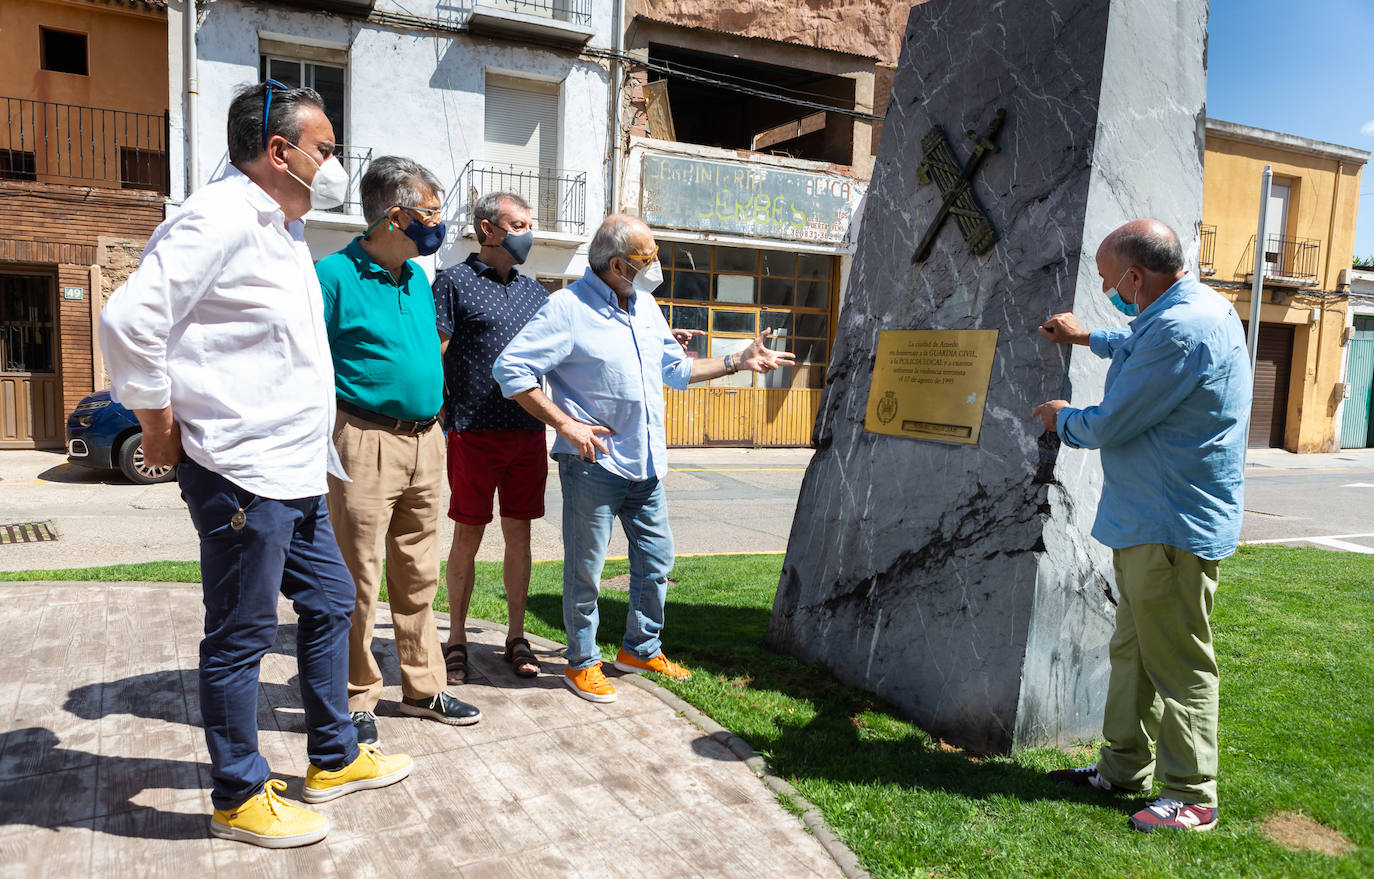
<point>388,377</point>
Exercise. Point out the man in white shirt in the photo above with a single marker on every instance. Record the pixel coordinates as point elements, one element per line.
<point>217,343</point>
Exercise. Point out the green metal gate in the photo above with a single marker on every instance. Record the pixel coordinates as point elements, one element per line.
<point>1359,374</point>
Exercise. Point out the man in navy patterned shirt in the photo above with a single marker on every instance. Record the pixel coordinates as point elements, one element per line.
<point>493,444</point>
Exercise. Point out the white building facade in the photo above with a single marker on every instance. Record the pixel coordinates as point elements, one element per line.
<point>489,95</point>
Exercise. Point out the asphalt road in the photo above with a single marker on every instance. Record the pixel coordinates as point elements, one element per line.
<point>720,500</point>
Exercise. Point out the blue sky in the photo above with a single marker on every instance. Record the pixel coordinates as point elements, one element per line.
<point>1302,68</point>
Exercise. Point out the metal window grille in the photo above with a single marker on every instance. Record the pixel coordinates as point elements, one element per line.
<point>1206,261</point>
<point>558,199</point>
<point>1285,259</point>
<point>69,143</point>
<point>571,11</point>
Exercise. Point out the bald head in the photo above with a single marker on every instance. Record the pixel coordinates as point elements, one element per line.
<point>1145,244</point>
<point>619,236</point>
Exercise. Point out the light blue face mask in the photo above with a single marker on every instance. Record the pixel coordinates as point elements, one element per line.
<point>1130,309</point>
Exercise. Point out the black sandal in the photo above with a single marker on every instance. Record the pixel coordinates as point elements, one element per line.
<point>456,662</point>
<point>519,655</point>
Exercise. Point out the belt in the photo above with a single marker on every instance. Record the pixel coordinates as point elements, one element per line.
<point>400,425</point>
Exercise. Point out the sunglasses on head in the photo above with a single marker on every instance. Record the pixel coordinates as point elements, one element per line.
<point>267,105</point>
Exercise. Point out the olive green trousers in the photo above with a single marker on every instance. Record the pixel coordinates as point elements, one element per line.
<point>1163,685</point>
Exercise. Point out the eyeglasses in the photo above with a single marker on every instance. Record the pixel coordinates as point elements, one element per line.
<point>267,105</point>
<point>425,213</point>
<point>649,256</point>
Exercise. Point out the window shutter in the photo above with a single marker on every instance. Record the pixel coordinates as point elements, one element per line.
<point>521,123</point>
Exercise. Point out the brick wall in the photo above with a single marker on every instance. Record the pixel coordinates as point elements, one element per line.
<point>59,229</point>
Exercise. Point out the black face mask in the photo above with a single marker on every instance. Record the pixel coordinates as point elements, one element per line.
<point>518,245</point>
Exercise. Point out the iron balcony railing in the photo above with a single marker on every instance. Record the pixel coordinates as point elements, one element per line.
<point>1291,260</point>
<point>571,11</point>
<point>48,142</point>
<point>558,199</point>
<point>1207,258</point>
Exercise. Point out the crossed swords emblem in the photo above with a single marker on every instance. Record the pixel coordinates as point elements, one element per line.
<point>956,184</point>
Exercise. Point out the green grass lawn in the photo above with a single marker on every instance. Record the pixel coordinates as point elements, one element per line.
<point>1293,633</point>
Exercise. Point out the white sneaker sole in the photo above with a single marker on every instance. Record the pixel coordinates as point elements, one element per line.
<point>325,794</point>
<point>238,834</point>
<point>430,714</point>
<point>590,697</point>
<point>630,669</point>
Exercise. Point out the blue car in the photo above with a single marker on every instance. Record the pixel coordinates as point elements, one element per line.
<point>104,435</point>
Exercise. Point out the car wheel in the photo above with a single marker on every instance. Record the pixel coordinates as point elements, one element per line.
<point>131,463</point>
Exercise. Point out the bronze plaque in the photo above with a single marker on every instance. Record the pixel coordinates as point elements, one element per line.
<point>931,384</point>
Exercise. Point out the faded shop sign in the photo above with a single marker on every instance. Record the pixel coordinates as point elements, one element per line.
<point>745,199</point>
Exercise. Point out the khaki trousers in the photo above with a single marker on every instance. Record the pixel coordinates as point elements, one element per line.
<point>1163,684</point>
<point>390,511</point>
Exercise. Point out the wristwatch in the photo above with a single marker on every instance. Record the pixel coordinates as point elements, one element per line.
<point>731,367</point>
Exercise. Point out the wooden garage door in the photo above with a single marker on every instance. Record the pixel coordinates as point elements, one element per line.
<point>1273,365</point>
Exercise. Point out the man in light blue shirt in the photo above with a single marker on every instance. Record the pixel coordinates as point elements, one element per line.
<point>1172,429</point>
<point>606,351</point>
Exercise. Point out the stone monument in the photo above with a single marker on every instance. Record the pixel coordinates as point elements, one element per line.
<point>940,561</point>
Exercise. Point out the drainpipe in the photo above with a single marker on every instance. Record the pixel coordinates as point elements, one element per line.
<point>613,115</point>
<point>1331,228</point>
<point>1257,282</point>
<point>188,15</point>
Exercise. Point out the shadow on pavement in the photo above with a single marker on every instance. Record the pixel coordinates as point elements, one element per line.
<point>78,788</point>
<point>74,474</point>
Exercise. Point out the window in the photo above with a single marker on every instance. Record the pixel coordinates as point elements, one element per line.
<point>692,111</point>
<point>17,165</point>
<point>26,323</point>
<point>734,293</point>
<point>62,51</point>
<point>142,169</point>
<point>521,133</point>
<point>327,79</point>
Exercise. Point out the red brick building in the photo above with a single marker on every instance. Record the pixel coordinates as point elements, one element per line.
<point>83,183</point>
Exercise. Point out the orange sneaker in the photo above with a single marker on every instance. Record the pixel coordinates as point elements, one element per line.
<point>626,661</point>
<point>590,683</point>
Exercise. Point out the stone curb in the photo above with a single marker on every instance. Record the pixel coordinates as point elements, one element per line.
<point>810,815</point>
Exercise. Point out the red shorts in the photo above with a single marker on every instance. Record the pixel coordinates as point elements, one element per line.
<point>482,461</point>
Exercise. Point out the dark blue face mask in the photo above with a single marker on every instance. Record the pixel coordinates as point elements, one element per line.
<point>428,239</point>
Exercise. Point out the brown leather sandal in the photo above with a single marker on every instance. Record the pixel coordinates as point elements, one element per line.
<point>456,662</point>
<point>521,658</point>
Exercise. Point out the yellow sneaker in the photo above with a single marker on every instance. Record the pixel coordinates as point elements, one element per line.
<point>372,769</point>
<point>269,821</point>
<point>626,661</point>
<point>590,683</point>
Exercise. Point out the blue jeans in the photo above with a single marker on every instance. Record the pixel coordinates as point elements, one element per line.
<point>286,547</point>
<point>593,498</point>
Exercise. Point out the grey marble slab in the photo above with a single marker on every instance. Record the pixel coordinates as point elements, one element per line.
<point>960,582</point>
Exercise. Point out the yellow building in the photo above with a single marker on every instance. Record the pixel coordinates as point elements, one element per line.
<point>1307,245</point>
<point>83,181</point>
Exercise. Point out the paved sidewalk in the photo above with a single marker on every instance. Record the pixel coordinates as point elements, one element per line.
<point>103,770</point>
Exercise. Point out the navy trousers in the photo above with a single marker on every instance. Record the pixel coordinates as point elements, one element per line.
<point>284,547</point>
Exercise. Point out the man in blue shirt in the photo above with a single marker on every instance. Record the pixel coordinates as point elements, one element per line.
<point>1172,430</point>
<point>494,446</point>
<point>606,351</point>
<point>379,314</point>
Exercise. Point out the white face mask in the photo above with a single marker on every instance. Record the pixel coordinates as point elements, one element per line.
<point>330,186</point>
<point>648,278</point>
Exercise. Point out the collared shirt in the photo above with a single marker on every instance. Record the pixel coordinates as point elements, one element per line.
<point>381,334</point>
<point>223,321</point>
<point>480,313</point>
<point>606,366</point>
<point>1172,425</point>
